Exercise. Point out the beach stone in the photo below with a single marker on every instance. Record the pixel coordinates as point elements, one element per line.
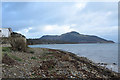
<point>75,67</point>
<point>15,74</point>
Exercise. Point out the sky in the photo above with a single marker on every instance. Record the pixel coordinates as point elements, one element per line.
<point>35,19</point>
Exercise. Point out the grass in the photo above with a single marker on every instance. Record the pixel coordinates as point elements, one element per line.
<point>47,55</point>
<point>16,58</point>
<point>33,58</point>
<point>51,57</point>
<point>50,68</point>
<point>32,52</point>
<point>13,57</point>
<point>6,49</point>
<point>42,58</point>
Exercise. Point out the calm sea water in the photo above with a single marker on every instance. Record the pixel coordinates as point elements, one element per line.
<point>103,53</point>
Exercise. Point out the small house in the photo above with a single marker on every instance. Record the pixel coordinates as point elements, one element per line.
<point>5,32</point>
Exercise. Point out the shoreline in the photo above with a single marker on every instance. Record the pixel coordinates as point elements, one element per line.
<point>74,43</point>
<point>52,62</point>
<point>107,61</point>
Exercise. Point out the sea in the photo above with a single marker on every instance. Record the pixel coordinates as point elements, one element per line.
<point>97,52</point>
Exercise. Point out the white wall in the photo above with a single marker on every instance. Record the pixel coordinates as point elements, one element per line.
<point>5,32</point>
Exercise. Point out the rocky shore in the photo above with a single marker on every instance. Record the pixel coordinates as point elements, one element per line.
<point>50,63</point>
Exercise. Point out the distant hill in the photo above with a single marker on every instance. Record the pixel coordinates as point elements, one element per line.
<point>68,38</point>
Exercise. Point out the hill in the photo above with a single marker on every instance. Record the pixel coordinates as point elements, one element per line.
<point>68,38</point>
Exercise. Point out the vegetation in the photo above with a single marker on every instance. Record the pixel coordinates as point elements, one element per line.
<point>6,49</point>
<point>33,58</point>
<point>15,57</point>
<point>29,50</point>
<point>50,63</point>
<point>18,42</point>
<point>32,52</point>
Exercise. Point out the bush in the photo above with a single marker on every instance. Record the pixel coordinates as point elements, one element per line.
<point>18,43</point>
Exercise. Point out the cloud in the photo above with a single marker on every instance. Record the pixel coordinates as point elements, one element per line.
<point>35,19</point>
<point>24,31</point>
<point>80,6</point>
<point>37,31</point>
<point>107,30</point>
<point>47,29</point>
<point>56,29</point>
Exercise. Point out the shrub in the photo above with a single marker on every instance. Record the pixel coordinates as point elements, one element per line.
<point>18,43</point>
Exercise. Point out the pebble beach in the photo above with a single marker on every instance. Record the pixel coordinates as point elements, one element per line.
<point>51,63</point>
